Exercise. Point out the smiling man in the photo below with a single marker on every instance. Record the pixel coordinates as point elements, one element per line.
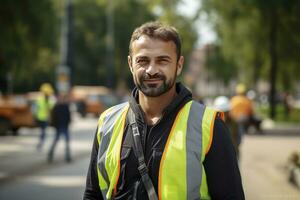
<point>161,144</point>
<point>154,65</point>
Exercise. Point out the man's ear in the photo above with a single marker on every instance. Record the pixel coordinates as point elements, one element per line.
<point>180,65</point>
<point>130,63</point>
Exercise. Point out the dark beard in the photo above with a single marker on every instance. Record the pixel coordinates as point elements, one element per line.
<point>152,90</point>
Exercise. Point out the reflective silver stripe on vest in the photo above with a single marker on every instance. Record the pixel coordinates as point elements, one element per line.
<point>104,192</point>
<point>105,135</point>
<point>194,141</point>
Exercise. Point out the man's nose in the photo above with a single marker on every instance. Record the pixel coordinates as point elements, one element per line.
<point>152,69</point>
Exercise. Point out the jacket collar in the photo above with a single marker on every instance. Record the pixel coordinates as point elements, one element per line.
<point>184,95</point>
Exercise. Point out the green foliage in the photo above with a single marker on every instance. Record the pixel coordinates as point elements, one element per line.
<point>221,68</point>
<point>293,117</point>
<point>91,34</point>
<point>23,34</point>
<point>90,66</point>
<point>243,28</point>
<point>168,14</point>
<point>262,38</point>
<point>126,21</point>
<point>89,41</point>
<point>239,36</point>
<point>31,31</point>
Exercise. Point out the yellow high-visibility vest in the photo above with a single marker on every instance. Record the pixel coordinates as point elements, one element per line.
<point>43,108</point>
<point>181,173</point>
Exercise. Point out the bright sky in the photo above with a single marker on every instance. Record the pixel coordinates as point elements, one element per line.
<point>204,29</point>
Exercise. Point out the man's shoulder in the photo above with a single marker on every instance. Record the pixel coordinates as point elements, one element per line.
<point>117,107</point>
<point>197,105</point>
<point>109,117</point>
<point>113,110</point>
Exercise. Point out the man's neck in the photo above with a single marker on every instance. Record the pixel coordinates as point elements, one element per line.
<point>153,107</point>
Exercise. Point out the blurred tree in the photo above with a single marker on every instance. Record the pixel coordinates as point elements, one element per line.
<point>91,35</point>
<point>30,35</point>
<point>28,42</point>
<point>240,38</point>
<point>222,68</point>
<point>90,27</point>
<point>261,37</point>
<point>89,42</point>
<point>167,11</point>
<point>131,14</point>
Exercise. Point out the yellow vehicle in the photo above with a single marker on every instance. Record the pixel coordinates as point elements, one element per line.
<point>16,111</point>
<point>92,99</point>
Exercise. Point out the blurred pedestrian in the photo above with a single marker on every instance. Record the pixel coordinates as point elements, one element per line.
<point>42,111</point>
<point>286,101</point>
<point>222,104</point>
<point>241,110</point>
<point>61,118</point>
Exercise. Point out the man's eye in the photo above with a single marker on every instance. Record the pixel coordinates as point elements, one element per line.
<point>163,61</point>
<point>142,62</point>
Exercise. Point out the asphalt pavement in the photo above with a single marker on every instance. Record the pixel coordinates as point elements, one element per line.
<point>25,172</point>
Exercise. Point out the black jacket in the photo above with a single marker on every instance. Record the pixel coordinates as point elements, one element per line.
<point>60,115</point>
<point>223,176</point>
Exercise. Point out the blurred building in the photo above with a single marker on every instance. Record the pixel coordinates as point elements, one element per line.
<point>203,83</point>
<point>200,80</point>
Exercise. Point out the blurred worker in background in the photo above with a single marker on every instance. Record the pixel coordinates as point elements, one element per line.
<point>241,109</point>
<point>61,118</point>
<point>222,104</point>
<point>42,110</point>
<point>286,101</point>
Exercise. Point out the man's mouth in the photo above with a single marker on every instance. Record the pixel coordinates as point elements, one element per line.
<point>153,81</point>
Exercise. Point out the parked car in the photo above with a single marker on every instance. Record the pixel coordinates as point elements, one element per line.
<point>92,99</point>
<point>16,111</point>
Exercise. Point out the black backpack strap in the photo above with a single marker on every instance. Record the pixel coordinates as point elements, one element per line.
<point>138,151</point>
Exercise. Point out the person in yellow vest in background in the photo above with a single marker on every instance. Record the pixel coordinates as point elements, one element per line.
<point>43,107</point>
<point>241,109</point>
<point>161,144</point>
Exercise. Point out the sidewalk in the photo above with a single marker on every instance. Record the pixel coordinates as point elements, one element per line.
<point>264,167</point>
<point>19,156</point>
<point>270,127</point>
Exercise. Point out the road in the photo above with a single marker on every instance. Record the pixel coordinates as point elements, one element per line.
<point>25,174</point>
<point>58,182</point>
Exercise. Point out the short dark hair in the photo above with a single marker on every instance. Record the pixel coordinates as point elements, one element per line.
<point>159,31</point>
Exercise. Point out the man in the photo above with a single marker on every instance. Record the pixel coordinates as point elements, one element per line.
<point>222,104</point>
<point>241,110</point>
<point>61,119</point>
<point>42,111</point>
<point>187,152</point>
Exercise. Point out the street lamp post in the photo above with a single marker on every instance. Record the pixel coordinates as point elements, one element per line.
<point>110,46</point>
<point>63,72</point>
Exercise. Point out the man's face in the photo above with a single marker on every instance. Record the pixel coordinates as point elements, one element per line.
<point>154,66</point>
